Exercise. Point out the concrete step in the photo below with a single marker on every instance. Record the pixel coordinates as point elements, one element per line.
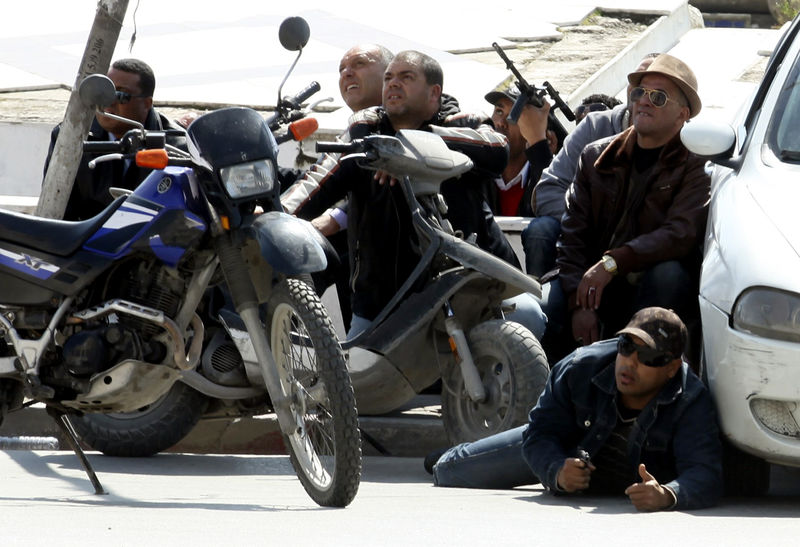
<point>412,431</point>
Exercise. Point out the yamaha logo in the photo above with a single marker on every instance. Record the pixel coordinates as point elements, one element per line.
<point>164,185</point>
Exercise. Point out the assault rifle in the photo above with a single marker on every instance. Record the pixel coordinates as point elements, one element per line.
<point>530,94</point>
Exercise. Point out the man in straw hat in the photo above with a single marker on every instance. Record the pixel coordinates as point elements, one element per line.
<point>622,416</point>
<point>635,216</point>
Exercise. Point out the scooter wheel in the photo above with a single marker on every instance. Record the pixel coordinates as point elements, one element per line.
<point>513,368</point>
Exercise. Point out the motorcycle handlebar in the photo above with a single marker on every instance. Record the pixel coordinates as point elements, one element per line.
<point>288,109</point>
<point>297,100</point>
<point>102,147</point>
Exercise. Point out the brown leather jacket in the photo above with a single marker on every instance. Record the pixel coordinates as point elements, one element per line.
<point>669,224</point>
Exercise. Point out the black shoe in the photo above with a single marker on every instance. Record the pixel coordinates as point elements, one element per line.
<point>432,458</point>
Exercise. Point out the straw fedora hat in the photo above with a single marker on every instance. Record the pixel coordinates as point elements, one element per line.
<point>677,71</point>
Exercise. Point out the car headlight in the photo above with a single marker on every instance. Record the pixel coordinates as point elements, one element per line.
<point>248,179</point>
<point>770,313</point>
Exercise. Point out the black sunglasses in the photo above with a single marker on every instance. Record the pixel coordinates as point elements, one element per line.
<point>647,356</point>
<point>657,97</point>
<point>123,97</point>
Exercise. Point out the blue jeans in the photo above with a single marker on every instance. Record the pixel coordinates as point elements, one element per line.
<point>539,243</point>
<point>528,313</point>
<point>494,462</point>
<point>669,284</point>
<point>358,325</point>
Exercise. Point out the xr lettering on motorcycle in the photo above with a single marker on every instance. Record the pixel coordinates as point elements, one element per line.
<point>32,263</point>
<point>164,185</point>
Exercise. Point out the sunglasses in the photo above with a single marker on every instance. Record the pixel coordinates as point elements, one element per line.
<point>123,97</point>
<point>647,356</point>
<point>584,109</point>
<point>657,97</point>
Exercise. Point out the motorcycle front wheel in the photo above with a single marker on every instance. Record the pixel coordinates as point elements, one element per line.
<point>325,445</point>
<point>513,368</point>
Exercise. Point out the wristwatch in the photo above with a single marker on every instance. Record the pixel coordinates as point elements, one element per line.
<point>609,264</point>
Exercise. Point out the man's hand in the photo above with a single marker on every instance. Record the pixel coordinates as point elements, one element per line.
<point>648,495</point>
<point>590,289</point>
<point>574,475</point>
<point>383,177</point>
<point>552,141</point>
<point>326,224</point>
<point>533,122</point>
<point>585,327</point>
<point>465,119</point>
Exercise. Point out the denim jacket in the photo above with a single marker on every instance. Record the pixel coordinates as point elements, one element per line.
<point>675,435</point>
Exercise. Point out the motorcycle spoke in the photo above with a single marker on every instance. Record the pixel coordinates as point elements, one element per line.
<point>324,443</point>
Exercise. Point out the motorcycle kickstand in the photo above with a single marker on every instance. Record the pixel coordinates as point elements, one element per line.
<point>62,420</point>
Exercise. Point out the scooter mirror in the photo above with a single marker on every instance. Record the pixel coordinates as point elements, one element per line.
<point>294,33</point>
<point>97,90</point>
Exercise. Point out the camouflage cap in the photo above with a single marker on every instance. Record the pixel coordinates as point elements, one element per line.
<point>506,89</point>
<point>659,329</point>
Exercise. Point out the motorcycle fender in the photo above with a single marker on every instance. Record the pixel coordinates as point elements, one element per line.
<point>477,259</point>
<point>289,244</point>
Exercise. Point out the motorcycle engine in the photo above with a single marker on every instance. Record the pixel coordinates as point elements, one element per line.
<point>89,351</point>
<point>102,344</point>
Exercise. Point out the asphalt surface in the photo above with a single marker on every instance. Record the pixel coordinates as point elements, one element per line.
<point>217,500</point>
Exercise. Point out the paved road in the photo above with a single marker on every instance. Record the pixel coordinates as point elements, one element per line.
<point>214,500</point>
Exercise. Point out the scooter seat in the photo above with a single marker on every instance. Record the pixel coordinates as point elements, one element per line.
<point>56,237</point>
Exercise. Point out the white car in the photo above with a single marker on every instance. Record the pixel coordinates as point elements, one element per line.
<point>750,281</point>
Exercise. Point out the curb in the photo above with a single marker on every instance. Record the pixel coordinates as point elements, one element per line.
<point>411,432</point>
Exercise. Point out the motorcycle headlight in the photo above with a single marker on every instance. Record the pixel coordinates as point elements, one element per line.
<point>248,179</point>
<point>770,313</point>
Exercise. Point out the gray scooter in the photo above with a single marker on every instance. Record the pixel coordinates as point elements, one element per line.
<point>447,320</point>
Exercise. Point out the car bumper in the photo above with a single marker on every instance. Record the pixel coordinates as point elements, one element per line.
<point>755,383</point>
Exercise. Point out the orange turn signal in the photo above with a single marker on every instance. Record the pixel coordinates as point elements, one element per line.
<point>152,159</point>
<point>303,128</point>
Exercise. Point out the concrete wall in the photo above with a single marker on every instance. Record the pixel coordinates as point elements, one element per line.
<point>23,149</point>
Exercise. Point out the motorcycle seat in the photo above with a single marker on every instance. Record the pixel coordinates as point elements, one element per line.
<point>56,237</point>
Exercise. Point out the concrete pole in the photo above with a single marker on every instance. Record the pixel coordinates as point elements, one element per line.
<point>67,153</point>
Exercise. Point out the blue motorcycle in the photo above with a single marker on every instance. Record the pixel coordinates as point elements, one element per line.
<point>108,317</point>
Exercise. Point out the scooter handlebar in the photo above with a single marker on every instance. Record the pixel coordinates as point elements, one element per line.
<point>338,147</point>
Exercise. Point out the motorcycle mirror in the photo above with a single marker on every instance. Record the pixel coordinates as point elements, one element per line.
<point>97,90</point>
<point>294,33</point>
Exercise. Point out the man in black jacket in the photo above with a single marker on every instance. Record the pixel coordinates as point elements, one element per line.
<point>382,250</point>
<point>635,215</point>
<point>135,84</point>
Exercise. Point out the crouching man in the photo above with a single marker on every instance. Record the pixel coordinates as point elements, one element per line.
<point>621,416</point>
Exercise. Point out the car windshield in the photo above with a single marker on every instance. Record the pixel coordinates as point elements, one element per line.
<point>785,126</point>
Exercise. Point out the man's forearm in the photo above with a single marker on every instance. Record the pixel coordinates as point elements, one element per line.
<point>487,149</point>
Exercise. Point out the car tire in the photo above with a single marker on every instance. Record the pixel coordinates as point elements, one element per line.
<point>743,474</point>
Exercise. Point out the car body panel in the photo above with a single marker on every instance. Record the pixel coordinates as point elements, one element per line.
<point>742,369</point>
<point>753,240</point>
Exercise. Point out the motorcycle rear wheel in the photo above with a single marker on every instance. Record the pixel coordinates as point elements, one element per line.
<point>325,446</point>
<point>514,370</point>
<point>147,431</point>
